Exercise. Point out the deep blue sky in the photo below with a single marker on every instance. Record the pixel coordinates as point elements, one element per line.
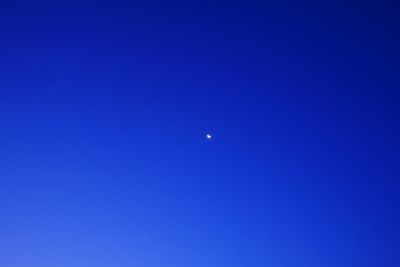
<point>103,111</point>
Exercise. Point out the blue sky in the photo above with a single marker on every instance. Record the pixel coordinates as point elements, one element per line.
<point>104,107</point>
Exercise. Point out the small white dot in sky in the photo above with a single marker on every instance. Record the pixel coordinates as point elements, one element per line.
<point>208,136</point>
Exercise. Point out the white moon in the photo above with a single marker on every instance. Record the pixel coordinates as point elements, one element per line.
<point>208,136</point>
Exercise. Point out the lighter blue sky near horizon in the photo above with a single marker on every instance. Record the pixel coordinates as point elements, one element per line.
<point>104,108</point>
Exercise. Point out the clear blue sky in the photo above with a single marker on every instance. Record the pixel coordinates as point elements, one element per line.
<point>104,107</point>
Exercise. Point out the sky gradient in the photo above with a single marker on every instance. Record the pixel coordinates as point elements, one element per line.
<point>104,111</point>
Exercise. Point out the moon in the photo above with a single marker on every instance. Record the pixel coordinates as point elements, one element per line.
<point>208,136</point>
